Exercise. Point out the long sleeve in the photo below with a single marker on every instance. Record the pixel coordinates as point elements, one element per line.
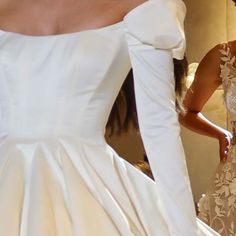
<point>155,36</point>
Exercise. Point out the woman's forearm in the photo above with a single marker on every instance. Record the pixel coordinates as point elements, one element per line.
<point>196,122</point>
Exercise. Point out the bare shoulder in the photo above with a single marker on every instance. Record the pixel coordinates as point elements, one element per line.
<point>214,52</point>
<point>208,70</point>
<point>212,59</point>
<point>7,8</point>
<point>131,4</point>
<point>7,5</point>
<point>206,80</point>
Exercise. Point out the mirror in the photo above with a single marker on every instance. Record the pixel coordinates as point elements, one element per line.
<point>207,23</point>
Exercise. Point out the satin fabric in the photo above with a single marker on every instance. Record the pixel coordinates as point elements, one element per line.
<point>58,175</point>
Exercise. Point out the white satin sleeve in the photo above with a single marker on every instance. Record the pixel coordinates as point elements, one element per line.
<point>155,36</point>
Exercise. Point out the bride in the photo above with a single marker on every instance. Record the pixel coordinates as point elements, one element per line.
<point>62,64</point>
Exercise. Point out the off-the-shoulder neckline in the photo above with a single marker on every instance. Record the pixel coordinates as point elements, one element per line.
<point>104,28</point>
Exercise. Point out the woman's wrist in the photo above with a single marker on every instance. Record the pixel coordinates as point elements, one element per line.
<point>222,134</point>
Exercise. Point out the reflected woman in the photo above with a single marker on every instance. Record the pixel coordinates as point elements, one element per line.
<point>218,67</point>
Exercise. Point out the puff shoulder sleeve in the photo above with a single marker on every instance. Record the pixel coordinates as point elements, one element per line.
<point>155,35</point>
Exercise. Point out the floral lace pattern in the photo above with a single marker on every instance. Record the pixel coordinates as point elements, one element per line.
<point>228,77</point>
<point>218,207</point>
<point>226,67</point>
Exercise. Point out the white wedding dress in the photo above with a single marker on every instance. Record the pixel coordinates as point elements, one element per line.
<point>58,176</point>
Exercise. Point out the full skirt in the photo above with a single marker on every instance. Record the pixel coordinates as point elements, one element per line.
<point>66,187</point>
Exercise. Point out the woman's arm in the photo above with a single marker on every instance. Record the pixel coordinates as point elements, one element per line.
<point>155,36</point>
<point>206,81</point>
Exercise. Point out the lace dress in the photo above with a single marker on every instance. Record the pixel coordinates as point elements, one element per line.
<point>218,207</point>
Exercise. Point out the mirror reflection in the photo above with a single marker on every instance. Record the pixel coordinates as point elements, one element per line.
<point>208,23</point>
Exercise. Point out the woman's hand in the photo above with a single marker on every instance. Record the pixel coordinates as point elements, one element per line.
<point>224,145</point>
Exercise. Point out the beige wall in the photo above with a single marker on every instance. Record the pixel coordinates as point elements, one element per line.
<point>205,26</point>
<point>231,19</point>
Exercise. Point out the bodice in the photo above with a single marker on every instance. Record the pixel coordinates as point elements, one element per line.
<point>61,84</point>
